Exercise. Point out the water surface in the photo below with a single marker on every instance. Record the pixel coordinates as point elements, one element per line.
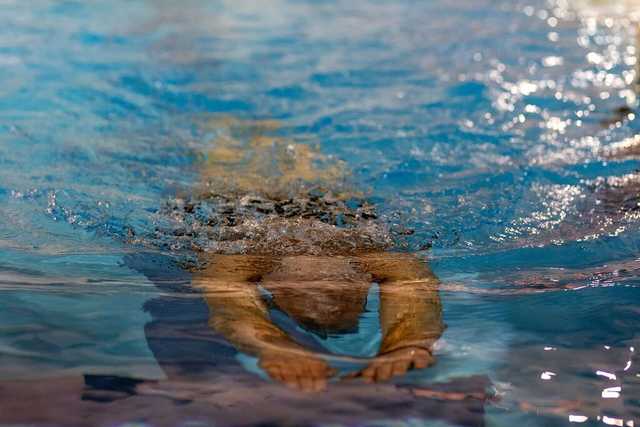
<point>494,138</point>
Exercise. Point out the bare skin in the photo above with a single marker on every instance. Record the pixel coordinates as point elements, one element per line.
<point>410,311</point>
<point>324,293</point>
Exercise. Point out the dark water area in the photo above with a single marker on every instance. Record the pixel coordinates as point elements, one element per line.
<point>157,156</point>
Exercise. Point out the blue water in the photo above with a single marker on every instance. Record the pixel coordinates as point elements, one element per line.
<point>479,126</point>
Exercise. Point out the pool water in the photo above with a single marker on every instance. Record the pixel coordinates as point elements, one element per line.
<point>494,138</point>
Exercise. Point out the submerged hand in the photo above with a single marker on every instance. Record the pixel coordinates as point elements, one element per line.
<point>300,370</point>
<point>396,363</point>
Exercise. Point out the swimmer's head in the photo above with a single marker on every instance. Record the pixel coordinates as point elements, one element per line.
<point>323,311</point>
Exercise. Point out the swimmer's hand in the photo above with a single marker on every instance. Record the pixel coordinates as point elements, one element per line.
<point>299,369</point>
<point>395,363</point>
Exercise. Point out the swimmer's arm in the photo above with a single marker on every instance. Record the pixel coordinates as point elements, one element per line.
<point>237,309</point>
<point>410,308</point>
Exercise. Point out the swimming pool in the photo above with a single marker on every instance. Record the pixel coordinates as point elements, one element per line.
<point>496,138</point>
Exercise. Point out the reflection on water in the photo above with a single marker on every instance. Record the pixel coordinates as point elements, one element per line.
<point>214,206</point>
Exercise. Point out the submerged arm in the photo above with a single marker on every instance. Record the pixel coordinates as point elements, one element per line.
<point>410,309</point>
<point>240,315</point>
<point>237,310</point>
<point>410,314</point>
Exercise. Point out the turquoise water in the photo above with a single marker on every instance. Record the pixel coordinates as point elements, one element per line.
<point>482,131</point>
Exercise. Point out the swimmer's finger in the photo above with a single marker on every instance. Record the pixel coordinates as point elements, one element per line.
<point>306,382</point>
<point>401,367</point>
<point>303,383</point>
<point>276,373</point>
<point>369,374</point>
<point>316,368</point>
<point>383,373</point>
<point>421,362</point>
<point>297,368</point>
<point>289,379</point>
<point>366,374</point>
<point>319,383</point>
<point>318,386</point>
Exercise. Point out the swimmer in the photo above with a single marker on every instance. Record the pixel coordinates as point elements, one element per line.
<point>270,230</point>
<point>323,294</point>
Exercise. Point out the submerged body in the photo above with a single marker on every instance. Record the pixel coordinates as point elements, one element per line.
<point>271,221</point>
<point>325,295</point>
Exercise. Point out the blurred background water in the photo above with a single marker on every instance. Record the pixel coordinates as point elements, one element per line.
<point>486,129</point>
